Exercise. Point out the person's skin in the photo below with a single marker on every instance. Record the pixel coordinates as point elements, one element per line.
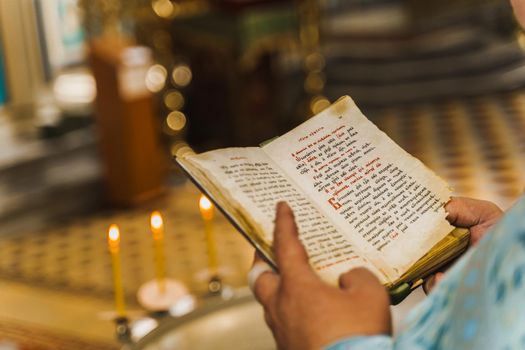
<point>476,215</point>
<point>519,11</point>
<point>303,312</point>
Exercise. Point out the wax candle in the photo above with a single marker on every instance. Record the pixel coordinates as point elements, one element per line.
<point>114,249</point>
<point>157,230</point>
<point>206,209</point>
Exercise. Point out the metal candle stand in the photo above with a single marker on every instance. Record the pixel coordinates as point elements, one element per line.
<point>123,330</point>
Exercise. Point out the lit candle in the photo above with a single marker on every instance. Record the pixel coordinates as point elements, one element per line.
<point>114,249</point>
<point>206,208</point>
<point>157,230</point>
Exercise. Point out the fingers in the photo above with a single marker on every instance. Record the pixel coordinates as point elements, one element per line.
<point>459,213</point>
<point>262,280</point>
<point>467,212</point>
<point>265,288</point>
<point>291,256</point>
<point>432,281</point>
<point>357,277</point>
<point>268,320</point>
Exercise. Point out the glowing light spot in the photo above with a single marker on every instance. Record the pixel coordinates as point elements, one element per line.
<point>163,8</point>
<point>174,100</point>
<point>156,220</point>
<point>181,75</point>
<point>318,104</point>
<point>314,62</point>
<point>176,121</point>
<point>314,82</point>
<point>114,234</point>
<point>206,207</point>
<point>156,78</point>
<point>75,88</point>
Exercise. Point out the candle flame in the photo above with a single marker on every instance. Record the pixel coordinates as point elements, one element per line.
<point>206,207</point>
<point>114,233</point>
<point>156,220</point>
<point>113,238</point>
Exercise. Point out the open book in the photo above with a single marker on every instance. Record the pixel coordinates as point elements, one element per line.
<point>358,198</point>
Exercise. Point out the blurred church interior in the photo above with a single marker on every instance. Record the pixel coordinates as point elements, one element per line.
<point>98,96</point>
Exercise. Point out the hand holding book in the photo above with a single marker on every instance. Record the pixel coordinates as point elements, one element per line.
<point>358,198</point>
<point>306,313</point>
<point>476,215</point>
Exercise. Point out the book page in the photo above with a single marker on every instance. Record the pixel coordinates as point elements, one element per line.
<point>386,201</point>
<point>256,185</point>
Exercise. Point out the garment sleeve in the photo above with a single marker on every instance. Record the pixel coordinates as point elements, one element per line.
<point>376,342</point>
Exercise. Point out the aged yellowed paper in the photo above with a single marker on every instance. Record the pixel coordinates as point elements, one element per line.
<point>388,204</point>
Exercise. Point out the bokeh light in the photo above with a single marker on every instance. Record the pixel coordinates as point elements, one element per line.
<point>156,78</point>
<point>174,100</point>
<point>77,88</point>
<point>318,104</point>
<point>176,120</point>
<point>314,82</point>
<point>180,148</point>
<point>163,8</point>
<point>314,62</point>
<point>181,75</point>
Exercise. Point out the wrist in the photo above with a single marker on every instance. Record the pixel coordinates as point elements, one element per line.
<point>381,341</point>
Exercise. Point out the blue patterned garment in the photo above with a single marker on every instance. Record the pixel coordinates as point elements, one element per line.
<point>480,304</point>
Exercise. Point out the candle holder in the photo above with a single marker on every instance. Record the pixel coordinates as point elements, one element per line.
<point>212,274</point>
<point>162,294</point>
<point>215,285</point>
<point>174,294</point>
<point>122,330</point>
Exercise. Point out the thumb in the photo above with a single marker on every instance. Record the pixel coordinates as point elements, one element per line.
<point>292,258</point>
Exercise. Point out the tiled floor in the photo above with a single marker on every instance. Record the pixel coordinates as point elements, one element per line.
<point>61,278</point>
<point>74,257</point>
<point>476,144</point>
